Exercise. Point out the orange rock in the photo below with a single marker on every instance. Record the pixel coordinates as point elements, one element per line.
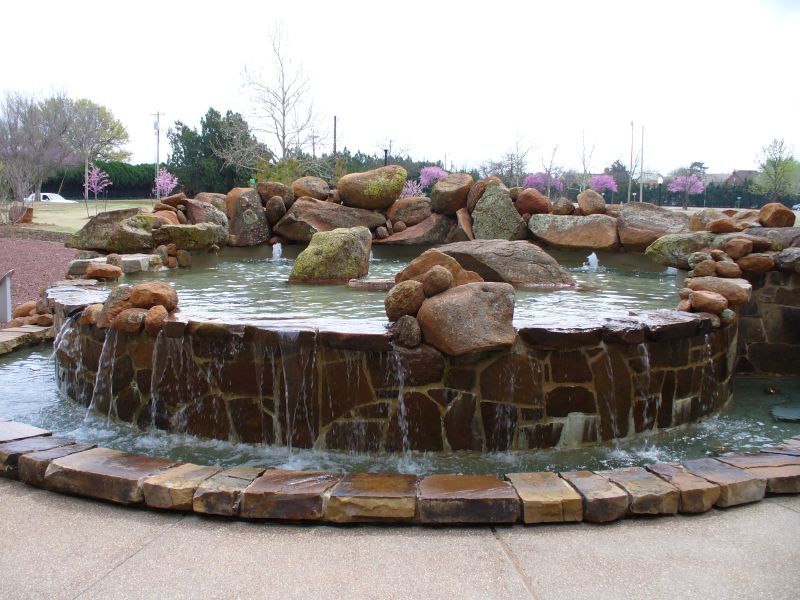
<point>172,262</point>
<point>704,268</point>
<point>738,247</point>
<point>404,299</point>
<point>154,319</point>
<point>591,203</point>
<point>102,271</point>
<point>735,291</point>
<point>684,306</point>
<point>151,293</point>
<point>129,320</point>
<point>776,214</point>
<point>722,226</point>
<point>25,309</point>
<point>428,259</point>
<point>90,314</point>
<point>756,263</point>
<point>708,302</point>
<point>169,217</point>
<point>532,202</point>
<point>728,269</point>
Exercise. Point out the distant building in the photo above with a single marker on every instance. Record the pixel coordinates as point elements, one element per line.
<point>740,177</point>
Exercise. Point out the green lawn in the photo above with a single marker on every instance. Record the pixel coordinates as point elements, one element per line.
<point>71,217</point>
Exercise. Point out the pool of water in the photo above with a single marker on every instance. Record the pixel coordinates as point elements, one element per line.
<point>28,393</point>
<point>246,282</point>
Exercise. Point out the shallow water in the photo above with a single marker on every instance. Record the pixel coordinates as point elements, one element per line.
<point>28,393</point>
<point>249,282</point>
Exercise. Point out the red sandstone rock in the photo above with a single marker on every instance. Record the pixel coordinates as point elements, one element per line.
<point>129,320</point>
<point>738,247</point>
<point>149,294</point>
<point>776,214</point>
<point>405,298</point>
<point>154,319</point>
<point>704,268</point>
<point>722,226</point>
<point>756,263</point>
<point>450,193</point>
<point>411,210</point>
<point>430,258</point>
<point>90,314</point>
<point>591,203</point>
<point>169,217</point>
<point>684,305</point>
<point>532,202</point>
<point>728,269</point>
<point>436,280</point>
<point>25,309</point>
<point>312,187</point>
<point>102,271</point>
<point>477,190</point>
<point>736,291</point>
<point>708,302</point>
<point>45,320</point>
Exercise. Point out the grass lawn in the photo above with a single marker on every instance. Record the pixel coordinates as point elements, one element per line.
<point>71,217</point>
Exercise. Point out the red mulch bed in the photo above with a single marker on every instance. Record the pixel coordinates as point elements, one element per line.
<point>36,264</point>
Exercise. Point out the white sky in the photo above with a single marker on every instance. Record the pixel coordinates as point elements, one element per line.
<point>710,80</point>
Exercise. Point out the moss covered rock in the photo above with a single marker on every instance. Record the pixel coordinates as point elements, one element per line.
<point>191,237</point>
<point>123,231</point>
<point>373,190</point>
<point>334,257</point>
<point>495,218</point>
<point>674,250</point>
<point>247,224</point>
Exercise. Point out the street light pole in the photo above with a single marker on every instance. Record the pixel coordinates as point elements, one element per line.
<point>157,127</point>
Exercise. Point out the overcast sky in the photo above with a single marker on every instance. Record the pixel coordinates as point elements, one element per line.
<point>710,81</point>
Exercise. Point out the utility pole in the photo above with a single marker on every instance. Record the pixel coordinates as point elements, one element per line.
<point>157,127</point>
<point>641,169</point>
<point>334,136</point>
<point>630,172</point>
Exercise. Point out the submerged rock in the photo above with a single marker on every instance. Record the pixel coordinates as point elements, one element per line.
<point>334,257</point>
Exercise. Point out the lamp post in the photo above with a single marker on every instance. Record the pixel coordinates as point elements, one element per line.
<point>738,201</point>
<point>634,196</point>
<point>660,183</point>
<point>385,156</point>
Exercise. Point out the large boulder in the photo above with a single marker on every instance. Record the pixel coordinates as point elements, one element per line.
<point>779,237</point>
<point>420,266</point>
<point>191,237</point>
<point>519,263</point>
<point>247,224</point>
<point>433,230</point>
<point>122,231</point>
<point>311,187</point>
<point>411,210</point>
<point>373,190</point>
<point>776,214</point>
<point>477,190</point>
<point>641,223</point>
<point>701,218</point>
<point>495,217</point>
<point>308,216</point>
<point>334,257</point>
<point>531,201</point>
<point>593,232</point>
<point>591,203</point>
<point>474,317</point>
<point>198,212</point>
<point>450,193</point>
<point>269,189</point>
<point>214,199</point>
<point>673,250</point>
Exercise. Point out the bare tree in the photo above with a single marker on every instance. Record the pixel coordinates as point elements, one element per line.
<point>551,171</point>
<point>512,167</point>
<point>586,161</point>
<point>281,102</point>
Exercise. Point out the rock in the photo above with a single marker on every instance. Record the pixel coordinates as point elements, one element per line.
<point>450,193</point>
<point>704,268</point>
<point>374,190</point>
<point>129,320</point>
<point>374,285</point>
<point>778,237</point>
<point>90,314</point>
<point>174,488</point>
<point>701,218</point>
<point>274,210</point>
<point>603,501</point>
<point>161,206</point>
<point>151,293</point>
<point>334,197</point>
<point>205,212</point>
<point>364,497</point>
<point>591,203</point>
<point>737,486</point>
<point>735,291</point>
<point>531,201</point>
<point>118,299</point>
<point>722,226</point>
<point>308,216</point>
<point>727,316</point>
<point>727,269</point>
<point>172,263</point>
<point>247,224</point>
<point>311,187</point>
<point>546,498</point>
<point>334,257</point>
<point>711,302</point>
<point>411,210</point>
<point>437,280</point>
<point>43,320</point>
<point>406,332</point>
<point>154,319</point>
<point>25,309</point>
<point>519,263</point>
<point>381,233</point>
<point>495,218</point>
<point>214,199</point>
<point>695,493</point>
<point>269,189</point>
<point>776,214</point>
<point>673,250</point>
<point>642,223</point>
<point>190,237</point>
<point>182,220</point>
<point>95,270</point>
<point>648,494</point>
<point>473,317</point>
<point>398,227</point>
<point>467,499</point>
<point>288,495</point>
<point>405,298</point>
<point>788,260</point>
<point>420,266</point>
<point>563,206</point>
<point>124,231</point>
<point>184,259</point>
<point>719,255</point>
<point>738,247</point>
<point>167,217</point>
<point>433,230</point>
<point>221,493</point>
<point>463,230</point>
<point>595,232</point>
<point>696,258</point>
<point>756,263</point>
<point>477,190</point>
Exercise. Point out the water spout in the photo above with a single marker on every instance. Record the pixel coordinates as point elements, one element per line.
<point>592,263</point>
<point>277,249</point>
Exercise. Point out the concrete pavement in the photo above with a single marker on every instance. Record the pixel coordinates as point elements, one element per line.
<point>54,546</point>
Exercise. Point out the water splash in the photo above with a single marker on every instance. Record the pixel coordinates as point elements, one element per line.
<point>277,250</point>
<point>592,263</point>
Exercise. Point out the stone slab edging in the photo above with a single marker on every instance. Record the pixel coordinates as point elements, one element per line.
<point>15,338</point>
<point>35,456</point>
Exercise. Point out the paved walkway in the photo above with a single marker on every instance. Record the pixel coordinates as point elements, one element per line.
<point>54,546</point>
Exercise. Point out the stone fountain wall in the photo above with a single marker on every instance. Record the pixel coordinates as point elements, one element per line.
<point>324,385</point>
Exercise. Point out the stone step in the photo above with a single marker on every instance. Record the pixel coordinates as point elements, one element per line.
<point>648,494</point>
<point>105,474</point>
<point>11,431</point>
<point>782,471</point>
<point>737,486</point>
<point>10,452</point>
<point>221,494</point>
<point>467,499</point>
<point>546,498</point>
<point>32,467</point>
<point>697,495</point>
<point>174,488</point>
<point>364,497</point>
<point>603,500</point>
<point>291,495</point>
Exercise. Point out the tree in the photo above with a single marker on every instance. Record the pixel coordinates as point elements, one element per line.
<point>428,176</point>
<point>780,172</point>
<point>164,183</point>
<point>552,172</point>
<point>602,183</point>
<point>95,133</point>
<point>511,168</point>
<point>96,181</point>
<point>586,161</point>
<point>543,182</point>
<point>686,185</point>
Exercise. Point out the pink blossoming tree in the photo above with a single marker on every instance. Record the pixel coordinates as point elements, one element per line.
<point>543,182</point>
<point>428,176</point>
<point>165,182</point>
<point>686,185</point>
<point>412,188</point>
<point>603,183</point>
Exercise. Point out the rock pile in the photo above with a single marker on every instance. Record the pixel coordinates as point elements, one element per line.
<point>133,308</point>
<point>31,313</point>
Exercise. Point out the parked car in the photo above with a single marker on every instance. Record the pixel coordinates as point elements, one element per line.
<point>49,197</point>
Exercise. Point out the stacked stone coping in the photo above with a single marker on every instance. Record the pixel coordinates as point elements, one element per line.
<point>34,456</point>
<point>243,380</point>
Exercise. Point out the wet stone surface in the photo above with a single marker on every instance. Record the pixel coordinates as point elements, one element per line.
<point>290,495</point>
<point>364,497</point>
<point>467,499</point>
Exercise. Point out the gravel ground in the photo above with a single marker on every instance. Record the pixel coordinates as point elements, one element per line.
<point>36,263</point>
